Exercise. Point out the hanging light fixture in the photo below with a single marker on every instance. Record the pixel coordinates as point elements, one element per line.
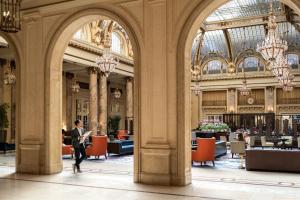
<point>196,89</point>
<point>9,76</point>
<point>117,93</point>
<point>281,68</point>
<point>75,86</point>
<point>272,47</point>
<point>107,63</point>
<point>10,16</point>
<point>244,90</point>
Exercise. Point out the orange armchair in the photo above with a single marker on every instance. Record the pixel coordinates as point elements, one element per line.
<point>205,150</point>
<point>67,150</point>
<point>98,147</point>
<point>121,134</point>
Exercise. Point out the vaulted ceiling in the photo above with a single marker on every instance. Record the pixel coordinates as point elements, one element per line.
<point>242,24</point>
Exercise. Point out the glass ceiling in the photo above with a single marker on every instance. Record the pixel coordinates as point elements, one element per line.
<point>243,8</point>
<point>242,38</point>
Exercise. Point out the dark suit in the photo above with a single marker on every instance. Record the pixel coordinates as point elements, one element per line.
<point>78,147</point>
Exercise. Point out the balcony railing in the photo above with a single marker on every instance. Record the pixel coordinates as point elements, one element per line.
<point>214,103</point>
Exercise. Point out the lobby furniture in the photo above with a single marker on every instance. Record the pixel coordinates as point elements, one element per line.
<point>120,147</point>
<point>67,150</point>
<point>237,147</point>
<point>232,136</point>
<point>205,150</point>
<point>264,142</point>
<point>252,141</point>
<point>122,134</point>
<point>98,147</point>
<point>221,148</point>
<point>273,160</point>
<point>298,140</point>
<point>223,138</point>
<point>285,141</point>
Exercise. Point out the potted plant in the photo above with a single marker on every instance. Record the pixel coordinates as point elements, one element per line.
<point>4,123</point>
<point>113,124</point>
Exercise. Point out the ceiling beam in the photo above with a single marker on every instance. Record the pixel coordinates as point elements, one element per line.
<point>242,22</point>
<point>228,44</point>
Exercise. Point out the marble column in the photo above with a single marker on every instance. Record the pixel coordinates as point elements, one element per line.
<point>69,103</point>
<point>129,105</point>
<point>103,104</point>
<point>93,101</point>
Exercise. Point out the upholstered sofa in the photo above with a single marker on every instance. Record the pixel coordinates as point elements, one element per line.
<point>273,160</point>
<point>120,147</point>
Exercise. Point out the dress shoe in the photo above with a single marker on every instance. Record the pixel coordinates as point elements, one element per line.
<point>79,171</point>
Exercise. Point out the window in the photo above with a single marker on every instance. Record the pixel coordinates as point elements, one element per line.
<point>214,67</point>
<point>293,60</point>
<point>78,35</point>
<point>251,64</point>
<point>116,43</point>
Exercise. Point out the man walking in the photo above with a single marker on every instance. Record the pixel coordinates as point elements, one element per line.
<point>78,145</point>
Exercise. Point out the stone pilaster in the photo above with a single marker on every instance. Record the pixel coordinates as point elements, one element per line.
<point>129,105</point>
<point>69,103</point>
<point>93,122</point>
<point>103,104</point>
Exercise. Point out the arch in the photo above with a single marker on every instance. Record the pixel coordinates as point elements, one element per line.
<point>14,43</point>
<point>57,44</point>
<point>185,36</point>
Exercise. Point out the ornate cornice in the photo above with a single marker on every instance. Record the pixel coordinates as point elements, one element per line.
<point>96,50</point>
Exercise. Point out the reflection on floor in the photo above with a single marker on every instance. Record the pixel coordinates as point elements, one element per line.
<point>113,179</point>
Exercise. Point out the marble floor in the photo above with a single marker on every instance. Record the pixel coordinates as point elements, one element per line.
<point>113,179</point>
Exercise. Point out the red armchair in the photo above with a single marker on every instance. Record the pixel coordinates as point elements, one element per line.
<point>122,134</point>
<point>205,150</point>
<point>98,147</point>
<point>67,150</point>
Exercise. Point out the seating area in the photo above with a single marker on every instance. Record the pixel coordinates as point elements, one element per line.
<point>253,151</point>
<point>100,146</point>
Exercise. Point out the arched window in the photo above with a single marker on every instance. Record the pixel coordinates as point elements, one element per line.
<point>116,43</point>
<point>214,67</point>
<point>293,60</point>
<point>251,64</point>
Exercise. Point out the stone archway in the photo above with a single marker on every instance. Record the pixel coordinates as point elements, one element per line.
<point>54,58</point>
<point>14,43</point>
<point>186,37</point>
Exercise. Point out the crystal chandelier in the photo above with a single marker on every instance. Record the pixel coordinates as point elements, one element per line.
<point>288,88</point>
<point>272,47</point>
<point>117,93</point>
<point>244,90</point>
<point>281,68</point>
<point>9,77</point>
<point>196,89</point>
<point>10,16</point>
<point>107,62</point>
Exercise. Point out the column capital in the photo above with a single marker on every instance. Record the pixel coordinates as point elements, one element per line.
<point>129,79</point>
<point>93,70</point>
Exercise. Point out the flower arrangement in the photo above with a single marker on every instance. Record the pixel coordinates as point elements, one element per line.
<point>213,127</point>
